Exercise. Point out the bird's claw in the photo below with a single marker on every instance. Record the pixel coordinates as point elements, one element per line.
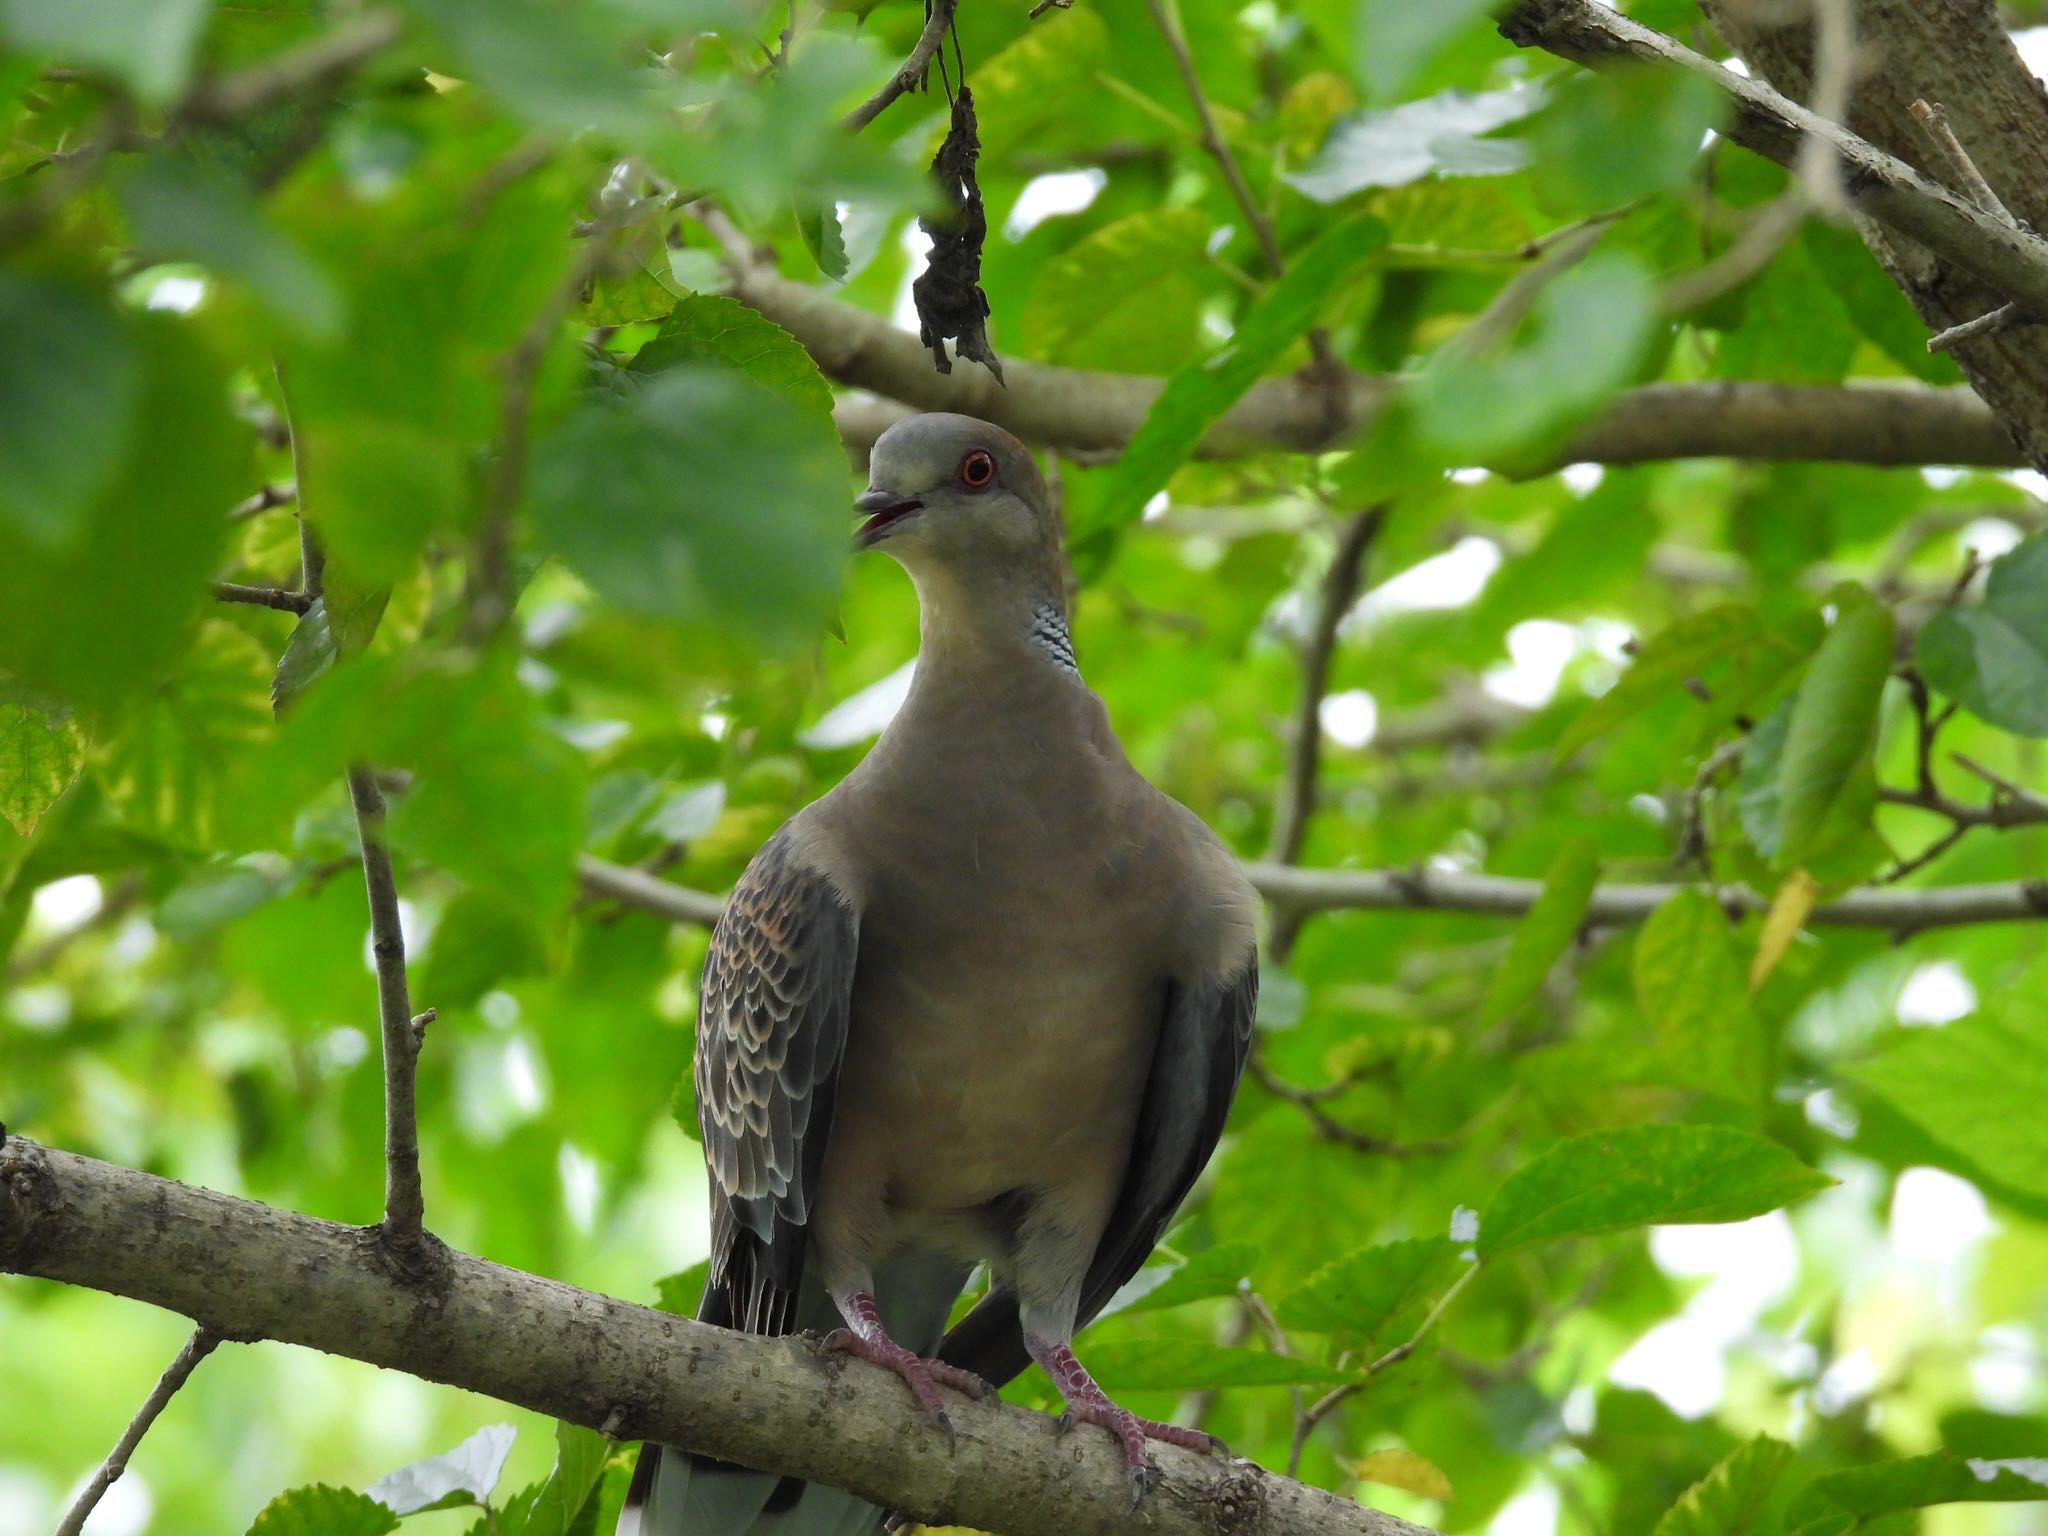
<point>1140,1479</point>
<point>923,1377</point>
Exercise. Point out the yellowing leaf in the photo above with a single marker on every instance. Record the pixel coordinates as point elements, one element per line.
<point>1794,899</point>
<point>1405,1470</point>
<point>41,751</point>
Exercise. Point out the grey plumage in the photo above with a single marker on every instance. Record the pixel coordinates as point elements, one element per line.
<point>986,1001</point>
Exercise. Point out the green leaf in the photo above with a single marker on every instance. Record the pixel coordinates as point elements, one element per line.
<point>1874,303</point>
<point>1397,38</point>
<point>1661,1174</point>
<point>818,225</point>
<point>69,382</point>
<point>1372,1293</point>
<point>1794,329</point>
<point>306,657</point>
<point>558,69</point>
<point>104,613</point>
<point>1438,135</point>
<point>1213,1272</point>
<point>708,328</point>
<point>1616,135</point>
<point>465,1475</point>
<point>1124,296</point>
<point>1662,663</point>
<point>1036,78</point>
<point>180,210</point>
<point>579,1458</point>
<point>719,501</point>
<point>1735,1498</point>
<point>1587,335</point>
<point>41,751</point>
<point>1185,1365</point>
<point>1547,931</point>
<point>322,1511</point>
<point>379,486</point>
<point>1201,392</point>
<point>1993,658</point>
<point>1690,986</point>
<point>479,943</point>
<point>213,898</point>
<point>681,1292</point>
<point>147,43</point>
<point>167,765</point>
<point>1833,726</point>
<point>689,813</point>
<point>1976,1085</point>
<point>1847,1501</point>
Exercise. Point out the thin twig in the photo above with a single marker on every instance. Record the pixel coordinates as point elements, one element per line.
<point>404,1207</point>
<point>1306,1422</point>
<point>1752,251</point>
<point>491,595</point>
<point>2013,805</point>
<point>910,74</point>
<point>1340,589</point>
<point>195,1349</point>
<point>295,72</point>
<point>262,597</point>
<point>1233,177</point>
<point>268,495</point>
<point>2003,318</point>
<point>1934,120</point>
<point>1310,1102</point>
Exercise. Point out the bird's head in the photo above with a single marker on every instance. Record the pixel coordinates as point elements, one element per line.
<point>956,497</point>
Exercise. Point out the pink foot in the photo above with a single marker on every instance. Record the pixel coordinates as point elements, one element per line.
<point>1087,1403</point>
<point>868,1340</point>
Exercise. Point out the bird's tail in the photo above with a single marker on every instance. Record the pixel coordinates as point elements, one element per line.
<point>677,1494</point>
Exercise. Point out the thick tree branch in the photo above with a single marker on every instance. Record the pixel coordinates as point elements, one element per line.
<point>1084,413</point>
<point>247,1271</point>
<point>1874,183</point>
<point>404,1207</point>
<point>195,1349</point>
<point>1295,891</point>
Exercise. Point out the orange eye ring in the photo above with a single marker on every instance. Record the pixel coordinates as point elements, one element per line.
<point>978,469</point>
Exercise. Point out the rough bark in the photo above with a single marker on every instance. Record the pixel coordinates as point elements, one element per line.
<point>1955,53</point>
<point>1085,412</point>
<point>248,1272</point>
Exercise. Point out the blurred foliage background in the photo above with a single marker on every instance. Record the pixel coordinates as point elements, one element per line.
<point>448,279</point>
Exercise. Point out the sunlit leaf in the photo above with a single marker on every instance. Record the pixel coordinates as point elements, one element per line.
<point>1736,1498</point>
<point>1199,393</point>
<point>1405,1470</point>
<point>1373,1292</point>
<point>465,1475</point>
<point>1663,1174</point>
<point>1442,134</point>
<point>42,749</point>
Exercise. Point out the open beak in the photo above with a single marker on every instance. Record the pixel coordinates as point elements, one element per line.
<point>880,508</point>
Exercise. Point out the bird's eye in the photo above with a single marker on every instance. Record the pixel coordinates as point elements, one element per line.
<point>978,469</point>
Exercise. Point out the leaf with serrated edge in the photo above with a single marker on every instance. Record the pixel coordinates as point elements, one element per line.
<point>1648,1174</point>
<point>1731,1499</point>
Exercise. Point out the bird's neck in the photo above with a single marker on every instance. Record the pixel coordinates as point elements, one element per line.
<point>1016,629</point>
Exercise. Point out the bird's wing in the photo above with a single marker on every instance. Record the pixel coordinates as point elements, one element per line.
<point>1205,1033</point>
<point>771,1027</point>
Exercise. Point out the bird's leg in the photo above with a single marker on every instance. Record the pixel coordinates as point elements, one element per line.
<point>1087,1403</point>
<point>865,1337</point>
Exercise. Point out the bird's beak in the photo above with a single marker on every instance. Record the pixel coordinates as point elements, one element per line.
<point>881,508</point>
